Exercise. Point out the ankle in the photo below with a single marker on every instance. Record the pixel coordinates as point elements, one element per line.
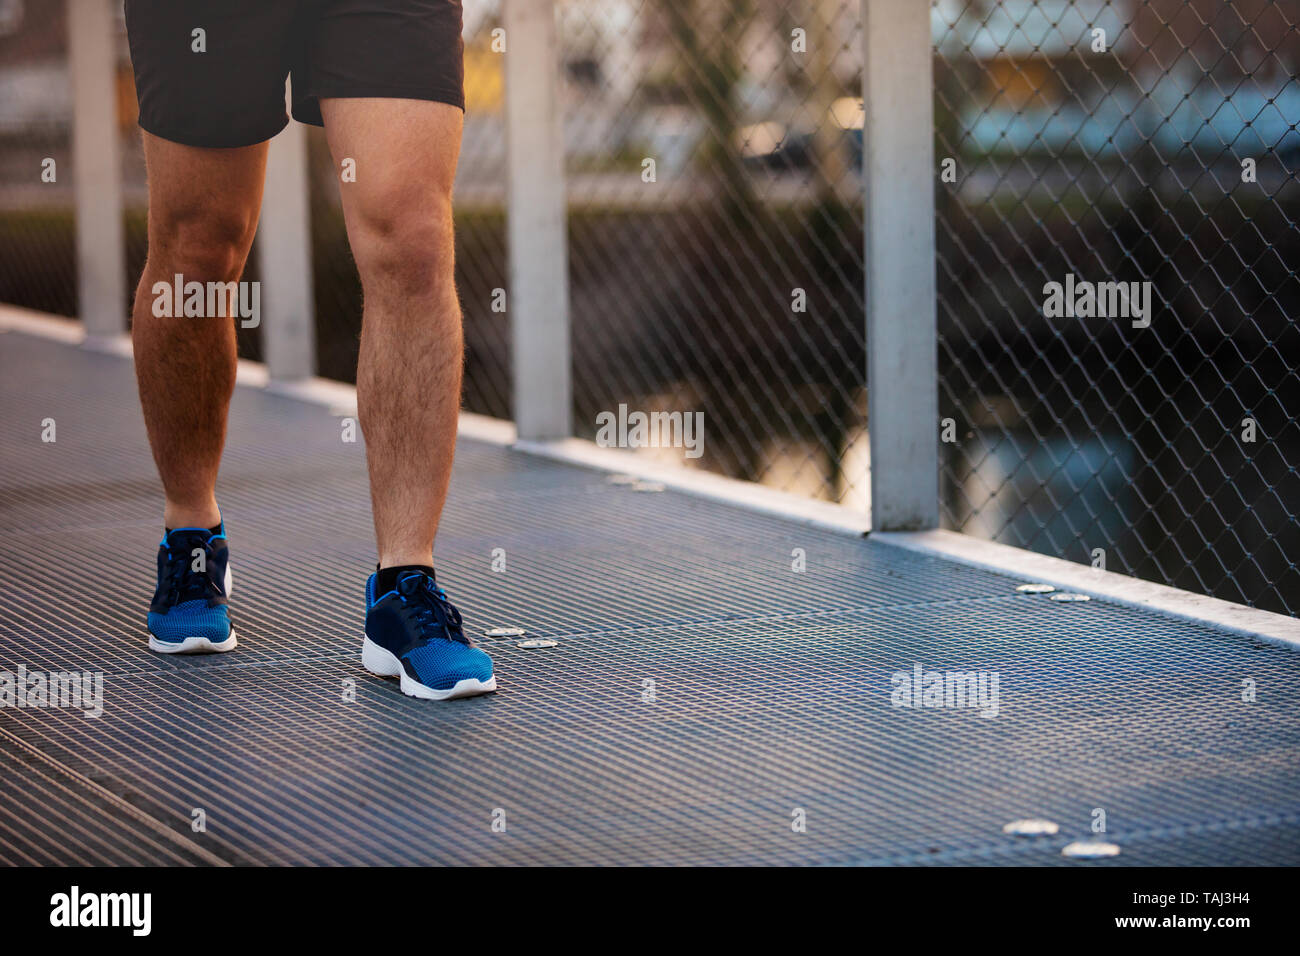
<point>191,516</point>
<point>397,559</point>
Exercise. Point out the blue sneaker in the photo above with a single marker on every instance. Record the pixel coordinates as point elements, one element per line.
<point>413,632</point>
<point>188,614</point>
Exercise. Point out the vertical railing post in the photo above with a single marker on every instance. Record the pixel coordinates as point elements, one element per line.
<point>96,172</point>
<point>898,171</point>
<point>538,300</point>
<point>284,260</point>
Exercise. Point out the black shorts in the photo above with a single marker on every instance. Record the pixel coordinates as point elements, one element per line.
<point>232,93</point>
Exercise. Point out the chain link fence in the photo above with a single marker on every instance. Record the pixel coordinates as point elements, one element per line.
<point>716,229</point>
<point>714,152</point>
<point>714,164</point>
<point>1151,144</point>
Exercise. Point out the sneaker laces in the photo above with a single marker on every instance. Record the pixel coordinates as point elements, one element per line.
<point>433,613</point>
<point>182,583</point>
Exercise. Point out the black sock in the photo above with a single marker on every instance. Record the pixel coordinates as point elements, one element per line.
<point>387,580</point>
<point>212,531</point>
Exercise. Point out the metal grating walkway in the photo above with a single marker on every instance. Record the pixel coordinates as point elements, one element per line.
<point>772,688</point>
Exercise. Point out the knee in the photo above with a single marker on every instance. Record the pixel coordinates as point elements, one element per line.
<point>207,245</point>
<point>404,245</point>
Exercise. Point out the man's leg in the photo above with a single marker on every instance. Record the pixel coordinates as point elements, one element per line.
<point>398,215</point>
<point>203,207</point>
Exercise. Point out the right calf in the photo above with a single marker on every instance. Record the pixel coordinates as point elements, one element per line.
<point>185,365</point>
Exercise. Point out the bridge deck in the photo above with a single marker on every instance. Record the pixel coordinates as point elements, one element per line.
<point>771,689</point>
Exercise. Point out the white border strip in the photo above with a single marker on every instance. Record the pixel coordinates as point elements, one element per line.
<point>341,400</point>
<point>1134,592</point>
<point>14,318</point>
<point>705,484</point>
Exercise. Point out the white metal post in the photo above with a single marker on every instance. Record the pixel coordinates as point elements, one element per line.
<point>284,260</point>
<point>96,172</point>
<point>536,219</point>
<point>898,169</point>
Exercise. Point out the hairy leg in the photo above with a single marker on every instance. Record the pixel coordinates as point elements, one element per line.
<point>203,206</point>
<point>398,215</point>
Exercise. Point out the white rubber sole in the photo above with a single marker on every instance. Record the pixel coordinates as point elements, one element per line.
<point>194,645</point>
<point>198,645</point>
<point>383,663</point>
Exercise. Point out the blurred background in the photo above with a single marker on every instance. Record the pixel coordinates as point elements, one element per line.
<point>733,282</point>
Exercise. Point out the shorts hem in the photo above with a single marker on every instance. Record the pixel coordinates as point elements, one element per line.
<point>307,110</point>
<point>216,141</point>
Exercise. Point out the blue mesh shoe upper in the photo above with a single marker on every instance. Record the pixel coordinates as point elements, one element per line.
<point>190,600</point>
<point>423,630</point>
